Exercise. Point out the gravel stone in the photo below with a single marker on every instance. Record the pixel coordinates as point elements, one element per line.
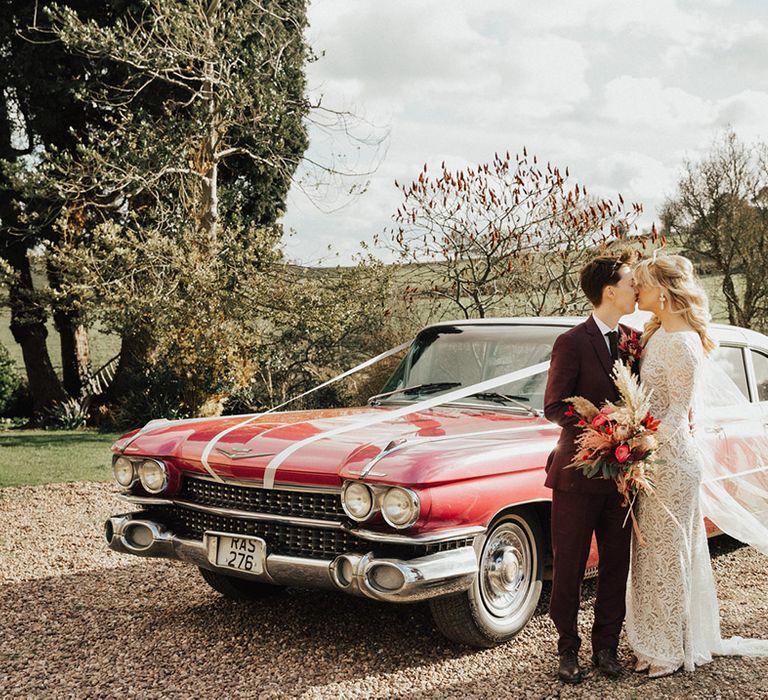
<point>81,621</point>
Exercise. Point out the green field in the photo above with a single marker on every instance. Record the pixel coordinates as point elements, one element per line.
<point>29,457</point>
<point>103,346</point>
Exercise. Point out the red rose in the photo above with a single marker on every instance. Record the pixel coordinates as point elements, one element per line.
<point>599,419</point>
<point>569,411</point>
<point>621,453</point>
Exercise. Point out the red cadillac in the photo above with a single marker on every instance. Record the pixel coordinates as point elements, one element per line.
<point>445,503</point>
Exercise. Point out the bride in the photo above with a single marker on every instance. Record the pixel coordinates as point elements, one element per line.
<point>672,610</point>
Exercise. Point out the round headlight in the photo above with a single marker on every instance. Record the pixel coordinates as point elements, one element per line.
<point>122,470</point>
<point>153,475</point>
<point>357,500</point>
<point>400,507</point>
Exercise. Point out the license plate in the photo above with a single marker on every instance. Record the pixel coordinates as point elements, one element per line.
<point>240,553</point>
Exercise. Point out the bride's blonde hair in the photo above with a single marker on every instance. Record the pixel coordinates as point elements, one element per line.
<point>675,275</point>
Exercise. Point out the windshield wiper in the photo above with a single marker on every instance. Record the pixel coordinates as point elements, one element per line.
<point>509,399</point>
<point>428,388</point>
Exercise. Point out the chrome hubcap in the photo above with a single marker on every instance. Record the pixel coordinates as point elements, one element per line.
<point>506,570</point>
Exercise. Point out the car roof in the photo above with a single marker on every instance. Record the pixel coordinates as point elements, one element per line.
<point>721,332</point>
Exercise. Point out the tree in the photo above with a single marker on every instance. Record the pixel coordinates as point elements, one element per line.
<point>719,214</point>
<point>209,98</point>
<point>39,111</point>
<point>319,323</point>
<point>477,236</point>
<point>205,127</point>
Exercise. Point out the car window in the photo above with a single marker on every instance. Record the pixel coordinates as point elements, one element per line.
<point>471,354</point>
<point>731,359</point>
<point>760,363</point>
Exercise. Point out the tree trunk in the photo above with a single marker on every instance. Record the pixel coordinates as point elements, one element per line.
<point>729,290</point>
<point>28,329</point>
<point>75,352</point>
<point>73,337</point>
<point>133,357</point>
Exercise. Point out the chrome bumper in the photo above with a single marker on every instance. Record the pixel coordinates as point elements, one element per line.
<point>392,580</point>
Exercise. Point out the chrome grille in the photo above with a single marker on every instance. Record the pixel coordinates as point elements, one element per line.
<point>301,504</point>
<point>289,539</point>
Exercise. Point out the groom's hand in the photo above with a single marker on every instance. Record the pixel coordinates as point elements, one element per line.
<point>561,382</point>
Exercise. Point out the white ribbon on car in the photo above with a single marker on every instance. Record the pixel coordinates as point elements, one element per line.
<point>252,417</point>
<point>462,392</point>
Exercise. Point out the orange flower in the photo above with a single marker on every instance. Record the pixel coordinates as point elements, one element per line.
<point>650,422</point>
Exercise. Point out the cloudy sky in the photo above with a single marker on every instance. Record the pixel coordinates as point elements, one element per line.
<point>622,91</point>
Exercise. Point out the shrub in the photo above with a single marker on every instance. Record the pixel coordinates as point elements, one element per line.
<point>66,415</point>
<point>10,382</point>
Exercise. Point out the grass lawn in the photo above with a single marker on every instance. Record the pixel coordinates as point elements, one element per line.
<point>29,457</point>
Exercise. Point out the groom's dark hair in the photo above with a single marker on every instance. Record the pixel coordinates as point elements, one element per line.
<point>602,271</point>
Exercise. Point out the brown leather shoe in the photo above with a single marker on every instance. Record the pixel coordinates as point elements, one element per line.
<point>569,671</point>
<point>606,662</point>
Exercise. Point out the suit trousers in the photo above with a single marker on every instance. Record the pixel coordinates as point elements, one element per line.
<point>575,516</point>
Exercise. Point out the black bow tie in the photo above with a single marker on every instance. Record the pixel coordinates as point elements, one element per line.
<point>613,342</point>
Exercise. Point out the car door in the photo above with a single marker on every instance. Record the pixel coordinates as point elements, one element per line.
<point>734,419</point>
<point>757,361</point>
<point>721,414</point>
<point>758,358</point>
<point>731,426</point>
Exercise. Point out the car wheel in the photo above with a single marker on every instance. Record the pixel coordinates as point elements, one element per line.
<point>506,590</point>
<point>238,588</point>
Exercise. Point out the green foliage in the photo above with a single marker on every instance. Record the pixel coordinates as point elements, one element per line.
<point>40,116</point>
<point>71,414</point>
<point>9,380</point>
<point>208,334</point>
<point>168,207</point>
<point>207,109</point>
<point>320,323</point>
<point>158,209</point>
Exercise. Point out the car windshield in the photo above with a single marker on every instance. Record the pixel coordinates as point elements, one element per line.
<point>471,354</point>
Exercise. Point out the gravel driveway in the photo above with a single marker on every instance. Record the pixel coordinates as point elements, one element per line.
<point>81,621</point>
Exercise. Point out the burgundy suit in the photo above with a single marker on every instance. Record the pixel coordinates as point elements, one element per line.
<point>581,366</point>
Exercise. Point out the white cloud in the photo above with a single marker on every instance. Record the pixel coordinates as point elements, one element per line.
<point>645,102</point>
<point>746,111</point>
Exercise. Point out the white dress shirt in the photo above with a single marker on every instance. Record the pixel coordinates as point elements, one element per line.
<point>605,329</point>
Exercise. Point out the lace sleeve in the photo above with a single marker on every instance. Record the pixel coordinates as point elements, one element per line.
<point>681,368</point>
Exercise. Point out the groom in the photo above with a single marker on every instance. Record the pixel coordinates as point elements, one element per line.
<point>582,359</point>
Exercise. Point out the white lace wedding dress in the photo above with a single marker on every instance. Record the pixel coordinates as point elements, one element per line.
<point>673,616</point>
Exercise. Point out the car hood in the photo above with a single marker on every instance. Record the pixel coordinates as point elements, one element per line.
<point>426,447</point>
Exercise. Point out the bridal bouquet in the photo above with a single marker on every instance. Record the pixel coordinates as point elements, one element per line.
<point>618,440</point>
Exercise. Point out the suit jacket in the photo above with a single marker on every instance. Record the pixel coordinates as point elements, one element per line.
<point>580,366</point>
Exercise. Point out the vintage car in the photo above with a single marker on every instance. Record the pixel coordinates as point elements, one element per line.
<point>446,503</point>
